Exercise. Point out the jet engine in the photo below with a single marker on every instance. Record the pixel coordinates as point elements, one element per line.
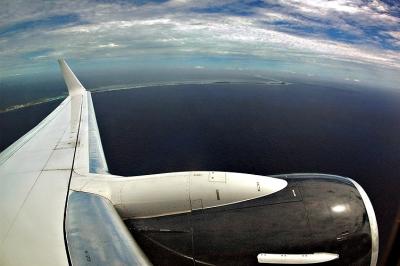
<point>312,218</point>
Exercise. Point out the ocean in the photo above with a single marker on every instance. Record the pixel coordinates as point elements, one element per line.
<point>251,128</point>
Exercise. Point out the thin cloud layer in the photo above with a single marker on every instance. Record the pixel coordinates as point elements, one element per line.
<point>296,31</point>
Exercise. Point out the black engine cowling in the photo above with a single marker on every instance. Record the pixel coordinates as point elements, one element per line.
<point>314,213</point>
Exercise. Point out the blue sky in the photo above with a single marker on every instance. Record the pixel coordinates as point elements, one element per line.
<point>305,36</point>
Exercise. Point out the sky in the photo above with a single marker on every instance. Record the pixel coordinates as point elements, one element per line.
<point>352,40</point>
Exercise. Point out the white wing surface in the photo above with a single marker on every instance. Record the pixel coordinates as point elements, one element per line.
<point>43,222</point>
<point>34,175</point>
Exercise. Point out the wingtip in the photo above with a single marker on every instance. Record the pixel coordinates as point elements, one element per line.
<point>61,60</point>
<point>73,84</point>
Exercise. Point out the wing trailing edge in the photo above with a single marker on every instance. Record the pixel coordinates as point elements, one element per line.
<point>90,155</point>
<point>96,234</point>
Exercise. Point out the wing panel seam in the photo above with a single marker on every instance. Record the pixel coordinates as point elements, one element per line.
<point>30,191</point>
<point>69,184</point>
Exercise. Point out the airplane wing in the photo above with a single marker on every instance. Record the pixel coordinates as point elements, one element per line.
<point>43,222</point>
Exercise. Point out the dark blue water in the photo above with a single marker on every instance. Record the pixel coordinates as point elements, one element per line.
<point>15,124</point>
<point>249,128</point>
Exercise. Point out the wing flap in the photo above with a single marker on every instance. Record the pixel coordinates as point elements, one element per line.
<point>97,159</point>
<point>96,234</point>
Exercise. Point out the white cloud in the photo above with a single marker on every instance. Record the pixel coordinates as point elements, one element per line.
<point>173,28</point>
<point>108,45</point>
<point>394,34</point>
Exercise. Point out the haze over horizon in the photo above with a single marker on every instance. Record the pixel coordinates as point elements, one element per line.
<point>350,40</point>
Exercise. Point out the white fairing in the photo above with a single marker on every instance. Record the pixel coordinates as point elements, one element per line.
<point>296,258</point>
<point>173,193</point>
<point>222,188</point>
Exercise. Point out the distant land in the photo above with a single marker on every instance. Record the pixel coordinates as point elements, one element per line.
<point>131,86</point>
<point>32,103</point>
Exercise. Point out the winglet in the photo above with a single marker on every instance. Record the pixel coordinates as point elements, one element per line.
<point>74,85</point>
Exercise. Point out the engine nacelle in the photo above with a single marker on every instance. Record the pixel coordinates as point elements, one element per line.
<point>315,218</point>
